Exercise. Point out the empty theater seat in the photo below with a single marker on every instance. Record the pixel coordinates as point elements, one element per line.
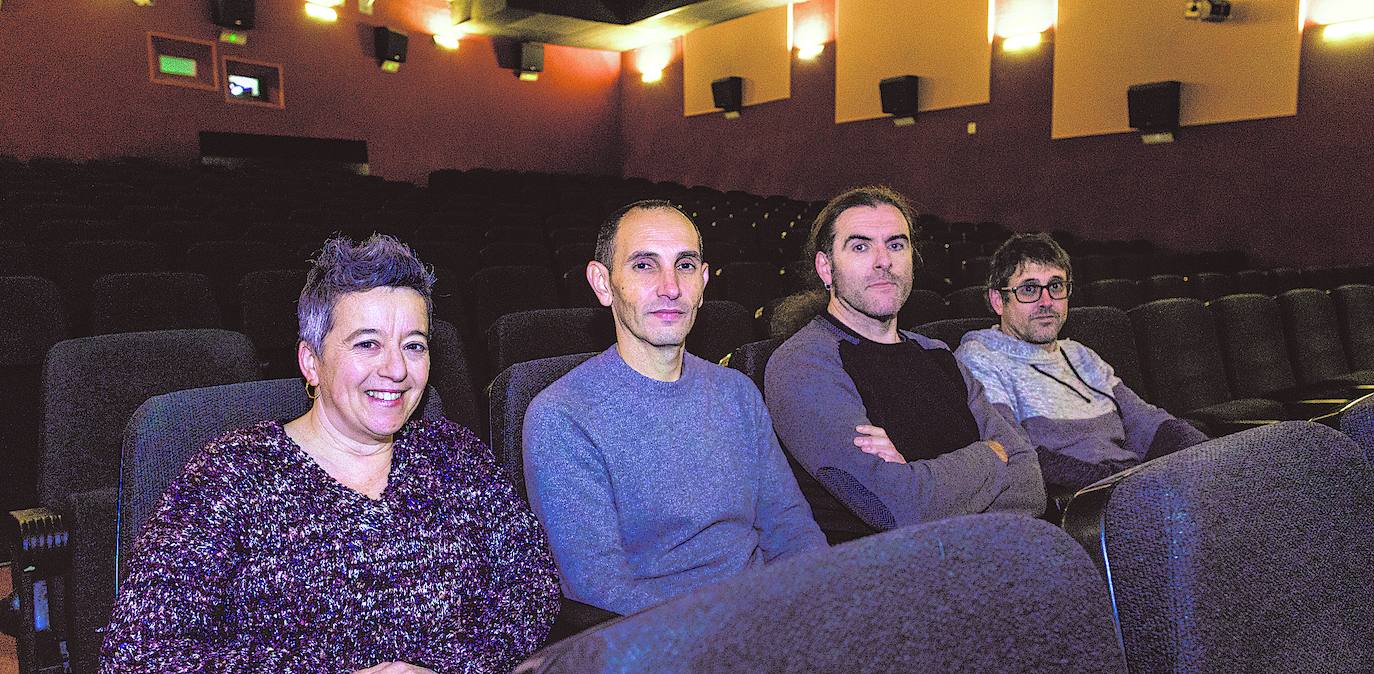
<point>969,303</point>
<point>1181,358</point>
<point>152,301</point>
<point>986,593</point>
<point>1355,309</point>
<point>544,333</point>
<point>1248,553</point>
<point>1123,294</point>
<point>1314,339</point>
<point>1107,330</point>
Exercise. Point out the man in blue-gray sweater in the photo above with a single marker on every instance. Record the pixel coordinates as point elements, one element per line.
<point>1086,423</point>
<point>654,471</point>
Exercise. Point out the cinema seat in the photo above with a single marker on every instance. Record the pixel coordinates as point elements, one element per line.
<point>1181,358</point>
<point>152,301</point>
<point>1250,333</point>
<point>544,333</point>
<point>1355,309</point>
<point>34,321</point>
<point>982,593</point>
<point>496,291</point>
<point>160,437</point>
<point>1248,553</point>
<point>969,302</point>
<point>951,331</point>
<point>1123,294</point>
<point>90,388</point>
<point>1357,421</point>
<point>511,393</point>
<point>1107,330</point>
<point>1314,339</point>
<point>922,306</point>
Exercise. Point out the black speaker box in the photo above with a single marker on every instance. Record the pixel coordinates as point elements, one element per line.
<point>532,57</point>
<point>1153,106</point>
<point>389,45</point>
<point>900,95</point>
<point>728,93</point>
<point>232,13</point>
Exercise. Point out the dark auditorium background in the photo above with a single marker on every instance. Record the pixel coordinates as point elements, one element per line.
<point>1292,191</point>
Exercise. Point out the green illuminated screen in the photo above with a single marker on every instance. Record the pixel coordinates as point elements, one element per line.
<point>176,65</point>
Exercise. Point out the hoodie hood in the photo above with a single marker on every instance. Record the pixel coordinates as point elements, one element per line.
<point>994,339</point>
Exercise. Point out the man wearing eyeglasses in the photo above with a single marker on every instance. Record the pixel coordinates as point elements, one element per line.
<point>1086,422</point>
<point>886,420</point>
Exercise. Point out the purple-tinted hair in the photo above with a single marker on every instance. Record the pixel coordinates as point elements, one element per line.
<point>343,267</point>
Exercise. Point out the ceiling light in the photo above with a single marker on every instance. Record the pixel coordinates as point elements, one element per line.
<point>1347,30</point>
<point>321,12</point>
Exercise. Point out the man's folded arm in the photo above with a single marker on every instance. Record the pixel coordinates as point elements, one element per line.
<point>815,410</point>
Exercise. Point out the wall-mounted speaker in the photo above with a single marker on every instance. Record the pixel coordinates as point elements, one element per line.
<point>1153,106</point>
<point>900,95</point>
<point>232,13</point>
<point>727,93</point>
<point>531,60</point>
<point>389,45</point>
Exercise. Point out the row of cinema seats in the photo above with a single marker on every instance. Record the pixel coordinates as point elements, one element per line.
<point>470,296</point>
<point>1243,358</point>
<point>1126,294</point>
<point>1190,594</point>
<point>463,360</point>
<point>487,217</point>
<point>1238,361</point>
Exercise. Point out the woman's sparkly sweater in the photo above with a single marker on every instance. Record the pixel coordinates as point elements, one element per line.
<point>257,560</point>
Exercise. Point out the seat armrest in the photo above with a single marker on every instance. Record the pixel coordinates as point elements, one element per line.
<point>1313,408</point>
<point>38,539</point>
<point>574,617</point>
<point>1229,426</point>
<point>1057,498</point>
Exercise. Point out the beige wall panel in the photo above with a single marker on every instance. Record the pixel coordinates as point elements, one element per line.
<point>753,47</point>
<point>1245,68</point>
<point>944,42</point>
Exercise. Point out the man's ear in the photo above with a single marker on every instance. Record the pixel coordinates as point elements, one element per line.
<point>308,362</point>
<point>823,268</point>
<point>705,278</point>
<point>995,300</point>
<point>599,277</point>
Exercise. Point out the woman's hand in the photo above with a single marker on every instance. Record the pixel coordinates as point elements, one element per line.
<point>394,668</point>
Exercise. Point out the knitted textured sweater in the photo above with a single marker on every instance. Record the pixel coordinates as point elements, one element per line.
<point>257,560</point>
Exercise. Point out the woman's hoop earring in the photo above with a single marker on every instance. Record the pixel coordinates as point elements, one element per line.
<point>312,392</point>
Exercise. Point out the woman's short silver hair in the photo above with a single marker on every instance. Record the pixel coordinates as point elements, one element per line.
<point>344,267</point>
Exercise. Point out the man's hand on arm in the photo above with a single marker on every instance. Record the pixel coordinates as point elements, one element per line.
<point>873,440</point>
<point>997,449</point>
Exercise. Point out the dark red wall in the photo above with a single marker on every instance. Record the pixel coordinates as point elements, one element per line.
<point>1297,190</point>
<point>74,83</point>
<point>1292,191</point>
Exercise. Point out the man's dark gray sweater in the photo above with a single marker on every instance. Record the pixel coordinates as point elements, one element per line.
<point>815,407</point>
<point>649,489</point>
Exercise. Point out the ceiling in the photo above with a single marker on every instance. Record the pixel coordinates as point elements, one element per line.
<point>616,25</point>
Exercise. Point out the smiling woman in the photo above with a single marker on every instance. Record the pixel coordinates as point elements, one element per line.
<point>349,539</point>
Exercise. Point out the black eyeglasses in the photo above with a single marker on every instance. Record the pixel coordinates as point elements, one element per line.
<point>1029,293</point>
